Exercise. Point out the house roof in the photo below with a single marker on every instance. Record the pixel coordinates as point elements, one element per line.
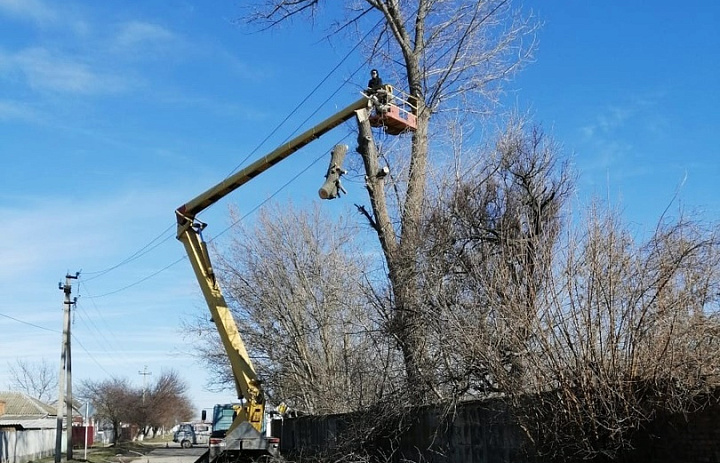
<point>24,423</point>
<point>18,404</point>
<point>77,407</point>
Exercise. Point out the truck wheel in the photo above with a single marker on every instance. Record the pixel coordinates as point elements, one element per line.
<point>186,444</point>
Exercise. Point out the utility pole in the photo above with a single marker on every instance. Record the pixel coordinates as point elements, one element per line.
<point>144,374</point>
<point>65,367</point>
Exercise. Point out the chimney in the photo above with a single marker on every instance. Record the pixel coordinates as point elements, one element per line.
<point>2,407</point>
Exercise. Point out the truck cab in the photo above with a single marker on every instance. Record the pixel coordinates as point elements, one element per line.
<point>243,440</point>
<point>189,434</point>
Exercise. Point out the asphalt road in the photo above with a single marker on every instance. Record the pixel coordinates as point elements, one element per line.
<point>172,455</point>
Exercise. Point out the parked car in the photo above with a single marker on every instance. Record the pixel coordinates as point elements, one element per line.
<point>189,434</point>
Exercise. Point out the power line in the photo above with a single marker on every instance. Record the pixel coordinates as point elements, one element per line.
<point>262,203</point>
<point>163,237</point>
<point>91,356</point>
<point>136,255</point>
<point>312,92</point>
<point>28,323</point>
<point>56,332</point>
<point>140,280</point>
<point>116,345</point>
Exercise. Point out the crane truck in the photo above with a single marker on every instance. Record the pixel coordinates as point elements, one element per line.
<point>238,430</point>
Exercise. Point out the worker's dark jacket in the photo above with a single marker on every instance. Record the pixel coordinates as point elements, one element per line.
<point>375,84</point>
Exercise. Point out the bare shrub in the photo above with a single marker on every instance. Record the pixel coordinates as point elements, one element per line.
<point>587,331</point>
<point>626,332</point>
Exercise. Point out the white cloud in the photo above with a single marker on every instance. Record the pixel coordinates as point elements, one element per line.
<point>34,10</point>
<point>12,110</point>
<point>142,34</point>
<point>52,232</point>
<point>46,70</point>
<point>607,121</point>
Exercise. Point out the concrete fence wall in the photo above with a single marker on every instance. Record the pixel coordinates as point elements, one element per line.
<point>21,446</point>
<point>681,438</point>
<point>476,432</point>
<point>485,432</point>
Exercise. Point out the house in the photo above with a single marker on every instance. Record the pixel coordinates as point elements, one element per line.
<point>27,428</point>
<point>83,423</point>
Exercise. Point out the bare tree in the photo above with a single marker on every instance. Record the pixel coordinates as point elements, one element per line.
<point>486,257</point>
<point>114,400</point>
<point>38,379</point>
<point>117,401</point>
<point>627,332</point>
<point>588,332</point>
<point>445,51</point>
<point>164,404</point>
<point>295,282</point>
<point>169,401</point>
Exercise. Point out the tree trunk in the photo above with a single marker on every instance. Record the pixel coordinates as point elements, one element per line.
<point>408,325</point>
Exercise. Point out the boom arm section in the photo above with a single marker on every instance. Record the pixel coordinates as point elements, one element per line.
<point>189,232</point>
<point>193,207</point>
<point>246,381</point>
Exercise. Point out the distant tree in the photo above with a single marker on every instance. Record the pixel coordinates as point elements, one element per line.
<point>114,400</point>
<point>166,402</point>
<point>37,379</point>
<point>163,404</point>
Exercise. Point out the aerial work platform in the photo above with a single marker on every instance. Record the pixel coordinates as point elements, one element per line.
<point>392,111</point>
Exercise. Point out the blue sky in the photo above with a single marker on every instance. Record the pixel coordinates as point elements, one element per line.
<point>112,114</point>
<point>631,90</point>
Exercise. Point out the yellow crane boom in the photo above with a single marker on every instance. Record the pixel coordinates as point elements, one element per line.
<point>246,429</point>
<point>189,232</point>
